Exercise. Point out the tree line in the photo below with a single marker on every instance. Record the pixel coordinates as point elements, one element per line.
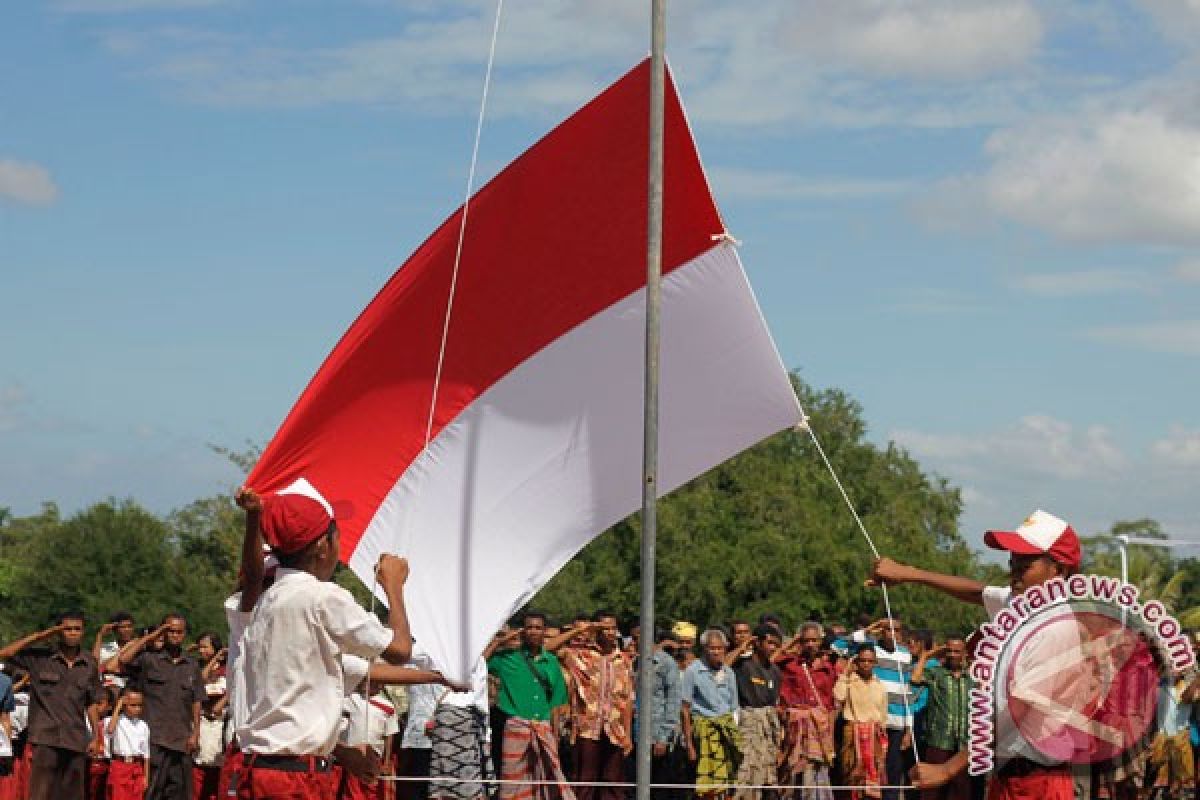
<point>766,532</point>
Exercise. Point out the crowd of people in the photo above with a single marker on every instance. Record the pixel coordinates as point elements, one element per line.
<point>314,697</point>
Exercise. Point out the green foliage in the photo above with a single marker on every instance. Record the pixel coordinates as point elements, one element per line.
<point>768,531</point>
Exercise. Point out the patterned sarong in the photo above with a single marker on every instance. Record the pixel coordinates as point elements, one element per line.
<point>762,734</point>
<point>531,754</point>
<point>808,752</point>
<point>718,748</point>
<point>459,752</point>
<point>864,754</point>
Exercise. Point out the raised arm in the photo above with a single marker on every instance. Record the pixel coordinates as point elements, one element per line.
<point>252,549</point>
<point>132,650</point>
<point>113,718</point>
<point>559,641</point>
<point>105,629</point>
<point>393,573</point>
<point>918,675</point>
<point>885,570</point>
<point>733,655</point>
<point>11,649</point>
<point>501,641</point>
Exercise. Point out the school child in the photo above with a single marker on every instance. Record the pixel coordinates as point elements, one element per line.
<point>129,745</point>
<point>97,780</point>
<point>292,674</point>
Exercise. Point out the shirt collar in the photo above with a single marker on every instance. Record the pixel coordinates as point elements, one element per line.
<point>286,573</point>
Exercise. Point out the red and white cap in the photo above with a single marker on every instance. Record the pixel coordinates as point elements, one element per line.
<point>1040,534</point>
<point>294,517</point>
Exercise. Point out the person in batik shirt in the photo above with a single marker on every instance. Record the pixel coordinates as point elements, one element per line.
<point>601,680</point>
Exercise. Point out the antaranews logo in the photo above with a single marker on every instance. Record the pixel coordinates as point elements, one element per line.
<point>1072,672</point>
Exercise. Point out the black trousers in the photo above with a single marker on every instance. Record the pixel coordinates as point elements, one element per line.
<point>170,774</point>
<point>56,774</point>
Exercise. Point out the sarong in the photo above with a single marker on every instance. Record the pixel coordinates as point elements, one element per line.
<point>718,748</point>
<point>762,734</point>
<point>460,752</point>
<point>864,751</point>
<point>531,754</point>
<point>808,752</point>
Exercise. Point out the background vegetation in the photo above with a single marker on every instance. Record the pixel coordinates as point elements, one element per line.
<point>765,532</point>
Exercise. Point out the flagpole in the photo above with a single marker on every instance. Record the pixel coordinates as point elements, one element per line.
<point>650,431</point>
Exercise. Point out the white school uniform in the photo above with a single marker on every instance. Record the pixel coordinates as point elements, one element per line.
<point>369,722</point>
<point>292,673</point>
<point>130,738</point>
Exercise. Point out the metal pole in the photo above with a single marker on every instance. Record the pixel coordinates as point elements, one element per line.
<point>650,430</point>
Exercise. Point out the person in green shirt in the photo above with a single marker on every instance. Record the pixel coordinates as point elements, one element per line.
<point>531,686</point>
<point>948,712</point>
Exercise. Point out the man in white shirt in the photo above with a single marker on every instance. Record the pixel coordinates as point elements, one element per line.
<point>1042,548</point>
<point>293,645</point>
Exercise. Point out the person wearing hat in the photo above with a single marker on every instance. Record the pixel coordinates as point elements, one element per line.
<point>300,628</point>
<point>1041,548</point>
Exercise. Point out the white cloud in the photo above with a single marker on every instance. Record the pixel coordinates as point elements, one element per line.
<point>941,39</point>
<point>943,63</point>
<point>1127,169</point>
<point>1172,336</point>
<point>26,183</point>
<point>1036,444</point>
<point>774,185</point>
<point>1180,448</point>
<point>1074,471</point>
<point>1083,282</point>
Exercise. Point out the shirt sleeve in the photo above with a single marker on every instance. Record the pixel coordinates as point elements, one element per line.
<point>995,598</point>
<point>354,629</point>
<point>733,692</point>
<point>354,672</point>
<point>199,693</point>
<point>669,724</point>
<point>687,686</point>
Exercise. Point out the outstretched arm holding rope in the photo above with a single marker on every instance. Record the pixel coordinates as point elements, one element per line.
<point>886,570</point>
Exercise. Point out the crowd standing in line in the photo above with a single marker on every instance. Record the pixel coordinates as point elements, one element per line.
<point>315,697</point>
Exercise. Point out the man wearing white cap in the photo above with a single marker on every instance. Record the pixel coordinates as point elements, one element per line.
<point>1041,548</point>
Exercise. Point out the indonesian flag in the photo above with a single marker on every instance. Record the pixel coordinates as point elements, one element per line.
<point>536,442</point>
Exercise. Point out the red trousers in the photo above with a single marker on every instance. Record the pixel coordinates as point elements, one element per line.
<point>97,778</point>
<point>272,784</point>
<point>205,783</point>
<point>354,789</point>
<point>126,780</point>
<point>1049,783</point>
<point>231,772</point>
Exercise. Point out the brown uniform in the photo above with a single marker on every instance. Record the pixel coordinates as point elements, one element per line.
<point>59,696</point>
<point>172,689</point>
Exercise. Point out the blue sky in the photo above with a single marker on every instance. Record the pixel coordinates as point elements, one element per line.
<point>978,217</point>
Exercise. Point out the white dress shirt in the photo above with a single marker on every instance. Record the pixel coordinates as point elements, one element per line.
<point>234,663</point>
<point>130,737</point>
<point>293,677</point>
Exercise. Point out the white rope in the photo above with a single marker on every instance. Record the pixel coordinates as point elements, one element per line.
<point>708,787</point>
<point>462,232</point>
<point>806,424</point>
<point>462,227</point>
